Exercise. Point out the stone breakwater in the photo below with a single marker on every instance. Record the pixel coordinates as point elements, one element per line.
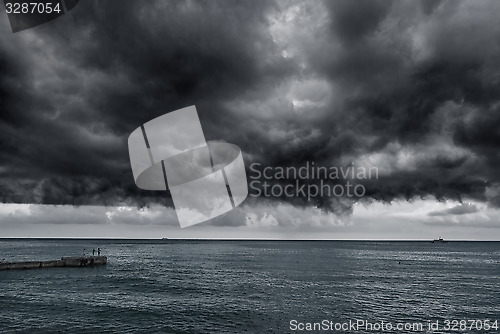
<point>86,261</point>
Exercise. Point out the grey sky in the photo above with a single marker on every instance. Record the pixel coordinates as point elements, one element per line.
<point>411,87</point>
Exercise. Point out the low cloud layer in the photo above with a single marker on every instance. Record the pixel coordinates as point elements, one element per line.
<point>462,209</point>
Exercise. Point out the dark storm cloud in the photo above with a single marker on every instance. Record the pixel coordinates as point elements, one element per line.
<point>353,20</point>
<point>411,87</point>
<point>74,89</point>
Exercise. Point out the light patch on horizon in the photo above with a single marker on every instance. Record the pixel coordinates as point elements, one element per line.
<point>400,220</point>
<point>417,220</point>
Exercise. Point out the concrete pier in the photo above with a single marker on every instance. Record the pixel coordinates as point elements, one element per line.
<point>86,261</point>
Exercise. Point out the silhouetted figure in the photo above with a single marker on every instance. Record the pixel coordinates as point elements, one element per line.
<point>84,252</point>
<point>98,252</point>
<point>93,251</point>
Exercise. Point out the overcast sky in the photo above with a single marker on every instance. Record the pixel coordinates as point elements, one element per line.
<point>410,87</point>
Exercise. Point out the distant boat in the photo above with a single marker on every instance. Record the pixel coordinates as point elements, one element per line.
<point>440,240</point>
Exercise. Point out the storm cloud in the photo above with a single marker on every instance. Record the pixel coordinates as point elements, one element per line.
<point>409,87</point>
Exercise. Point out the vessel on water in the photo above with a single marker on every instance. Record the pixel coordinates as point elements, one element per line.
<point>440,240</point>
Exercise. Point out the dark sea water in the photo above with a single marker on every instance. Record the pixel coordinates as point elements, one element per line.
<point>247,286</point>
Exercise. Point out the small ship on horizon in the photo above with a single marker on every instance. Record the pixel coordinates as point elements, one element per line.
<point>440,240</point>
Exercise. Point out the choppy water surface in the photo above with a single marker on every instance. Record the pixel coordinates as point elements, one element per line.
<point>245,286</point>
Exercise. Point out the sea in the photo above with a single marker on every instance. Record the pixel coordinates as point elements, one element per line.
<point>250,286</point>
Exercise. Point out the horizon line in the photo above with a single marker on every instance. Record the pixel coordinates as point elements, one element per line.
<point>245,239</point>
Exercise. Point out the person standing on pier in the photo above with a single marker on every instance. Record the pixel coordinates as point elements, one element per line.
<point>93,251</point>
<point>98,252</point>
<point>84,252</point>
